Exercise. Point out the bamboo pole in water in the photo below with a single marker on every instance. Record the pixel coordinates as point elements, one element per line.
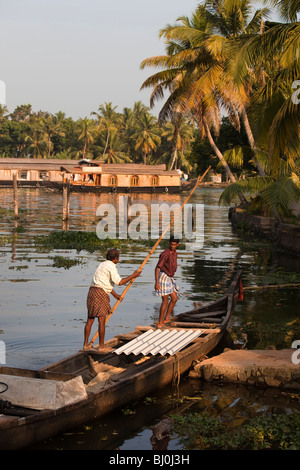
<point>152,250</point>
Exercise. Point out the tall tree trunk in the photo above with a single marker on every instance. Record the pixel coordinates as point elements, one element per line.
<point>218,152</point>
<point>222,159</point>
<point>174,158</point>
<point>84,149</point>
<point>49,147</point>
<point>251,141</point>
<point>106,143</point>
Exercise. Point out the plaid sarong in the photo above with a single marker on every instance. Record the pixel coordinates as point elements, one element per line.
<point>98,303</point>
<point>167,285</point>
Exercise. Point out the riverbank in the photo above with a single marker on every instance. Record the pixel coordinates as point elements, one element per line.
<point>269,368</point>
<point>286,237</point>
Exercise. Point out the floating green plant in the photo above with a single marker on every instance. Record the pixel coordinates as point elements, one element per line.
<point>63,262</point>
<point>88,241</point>
<point>272,432</point>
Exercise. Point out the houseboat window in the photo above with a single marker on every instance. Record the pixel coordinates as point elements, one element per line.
<point>112,180</point>
<point>154,180</point>
<point>134,181</point>
<point>43,175</point>
<point>23,175</point>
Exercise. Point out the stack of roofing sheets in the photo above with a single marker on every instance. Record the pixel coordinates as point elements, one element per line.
<point>160,341</point>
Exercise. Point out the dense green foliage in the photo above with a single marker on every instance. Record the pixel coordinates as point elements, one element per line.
<point>271,432</point>
<point>229,58</point>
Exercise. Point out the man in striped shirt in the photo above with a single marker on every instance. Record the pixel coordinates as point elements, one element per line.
<point>165,285</point>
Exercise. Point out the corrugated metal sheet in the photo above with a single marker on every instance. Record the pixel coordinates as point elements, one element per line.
<point>159,342</point>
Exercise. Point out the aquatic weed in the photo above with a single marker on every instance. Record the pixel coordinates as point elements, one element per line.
<point>272,432</point>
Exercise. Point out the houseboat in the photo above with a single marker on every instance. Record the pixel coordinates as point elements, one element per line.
<point>89,175</point>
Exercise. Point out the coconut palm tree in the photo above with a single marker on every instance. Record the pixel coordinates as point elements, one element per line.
<point>52,129</point>
<point>146,135</point>
<point>276,50</point>
<point>108,121</point>
<point>180,134</point>
<point>189,73</point>
<point>36,140</point>
<point>115,149</point>
<point>87,129</point>
<point>215,26</point>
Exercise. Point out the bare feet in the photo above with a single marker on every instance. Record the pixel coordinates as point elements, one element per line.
<point>104,349</point>
<point>169,323</point>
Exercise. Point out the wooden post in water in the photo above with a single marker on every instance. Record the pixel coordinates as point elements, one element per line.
<point>66,200</point>
<point>16,199</point>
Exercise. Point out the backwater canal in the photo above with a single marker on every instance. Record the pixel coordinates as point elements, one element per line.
<point>43,307</point>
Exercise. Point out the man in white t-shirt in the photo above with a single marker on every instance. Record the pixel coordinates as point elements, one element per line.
<point>98,303</point>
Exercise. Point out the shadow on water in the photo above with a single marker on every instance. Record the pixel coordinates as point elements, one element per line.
<point>43,306</point>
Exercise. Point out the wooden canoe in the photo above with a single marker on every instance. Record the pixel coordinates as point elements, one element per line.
<point>110,380</point>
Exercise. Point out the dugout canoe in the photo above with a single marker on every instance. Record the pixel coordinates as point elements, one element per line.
<point>87,385</point>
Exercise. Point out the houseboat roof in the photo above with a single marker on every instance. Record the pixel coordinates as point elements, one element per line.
<point>80,166</point>
<point>34,163</point>
<point>123,169</point>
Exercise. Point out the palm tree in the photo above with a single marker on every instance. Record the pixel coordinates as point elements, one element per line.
<point>115,150</point>
<point>190,70</point>
<point>52,129</point>
<point>146,135</point>
<point>180,134</point>
<point>36,140</point>
<point>221,22</point>
<point>276,50</point>
<point>87,130</point>
<point>272,195</point>
<point>108,121</point>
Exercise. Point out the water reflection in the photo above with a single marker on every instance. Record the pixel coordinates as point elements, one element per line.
<point>43,307</point>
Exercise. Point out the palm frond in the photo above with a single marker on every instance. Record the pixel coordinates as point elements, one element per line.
<point>281,194</point>
<point>250,186</point>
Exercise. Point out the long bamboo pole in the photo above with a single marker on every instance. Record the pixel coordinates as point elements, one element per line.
<point>152,250</point>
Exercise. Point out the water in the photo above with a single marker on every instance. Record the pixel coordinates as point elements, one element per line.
<point>43,307</point>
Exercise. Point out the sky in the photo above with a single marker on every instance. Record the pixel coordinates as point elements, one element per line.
<point>74,55</point>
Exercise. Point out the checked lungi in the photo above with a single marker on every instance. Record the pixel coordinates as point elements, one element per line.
<point>98,303</point>
<point>167,285</point>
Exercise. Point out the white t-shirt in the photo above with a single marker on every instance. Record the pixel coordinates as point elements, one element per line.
<point>106,276</point>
